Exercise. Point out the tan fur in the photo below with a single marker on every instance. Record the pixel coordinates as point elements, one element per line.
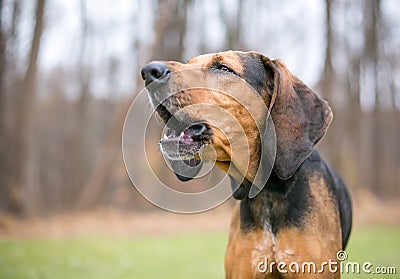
<point>246,249</point>
<point>310,244</point>
<point>201,77</point>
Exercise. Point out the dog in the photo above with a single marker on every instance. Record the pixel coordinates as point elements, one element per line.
<point>302,214</point>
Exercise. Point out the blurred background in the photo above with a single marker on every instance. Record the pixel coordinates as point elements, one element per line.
<point>69,70</point>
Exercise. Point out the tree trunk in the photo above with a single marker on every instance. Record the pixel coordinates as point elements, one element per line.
<point>24,110</point>
<point>4,187</point>
<point>99,176</point>
<point>326,89</point>
<point>372,15</point>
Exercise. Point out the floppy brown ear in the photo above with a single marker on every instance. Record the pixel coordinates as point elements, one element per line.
<point>300,117</point>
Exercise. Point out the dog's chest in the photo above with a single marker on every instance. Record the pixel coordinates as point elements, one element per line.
<point>267,253</point>
<point>257,253</point>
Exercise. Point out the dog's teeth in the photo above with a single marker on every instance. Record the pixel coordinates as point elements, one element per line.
<point>182,133</point>
<point>165,136</point>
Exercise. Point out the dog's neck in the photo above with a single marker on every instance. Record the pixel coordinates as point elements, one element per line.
<point>280,203</point>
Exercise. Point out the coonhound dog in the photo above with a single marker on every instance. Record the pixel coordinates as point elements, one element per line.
<point>302,216</point>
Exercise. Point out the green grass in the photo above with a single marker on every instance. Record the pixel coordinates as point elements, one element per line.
<point>179,256</point>
<point>379,246</point>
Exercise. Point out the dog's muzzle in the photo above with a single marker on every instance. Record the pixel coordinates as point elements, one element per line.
<point>184,137</point>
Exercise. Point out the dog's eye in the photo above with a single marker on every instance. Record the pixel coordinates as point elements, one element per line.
<point>224,68</point>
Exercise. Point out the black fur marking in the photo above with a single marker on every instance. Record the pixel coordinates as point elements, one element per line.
<point>247,222</point>
<point>285,203</point>
<point>280,204</point>
<point>253,71</point>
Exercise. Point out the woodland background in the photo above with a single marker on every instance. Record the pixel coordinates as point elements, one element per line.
<point>70,69</point>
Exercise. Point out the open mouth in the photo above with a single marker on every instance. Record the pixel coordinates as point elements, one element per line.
<point>182,140</point>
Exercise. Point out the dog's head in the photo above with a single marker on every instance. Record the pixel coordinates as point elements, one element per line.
<point>217,99</point>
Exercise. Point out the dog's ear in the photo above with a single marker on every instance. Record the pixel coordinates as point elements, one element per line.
<point>186,170</point>
<point>300,117</point>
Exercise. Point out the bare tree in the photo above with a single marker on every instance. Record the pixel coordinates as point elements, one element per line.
<point>25,99</point>
<point>170,29</point>
<point>171,23</point>
<point>234,26</point>
<point>59,152</point>
<point>370,67</point>
<point>4,189</point>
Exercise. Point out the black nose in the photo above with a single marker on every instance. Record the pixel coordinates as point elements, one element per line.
<point>154,71</point>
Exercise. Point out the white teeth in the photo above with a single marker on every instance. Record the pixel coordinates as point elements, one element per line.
<point>165,136</point>
<point>181,134</point>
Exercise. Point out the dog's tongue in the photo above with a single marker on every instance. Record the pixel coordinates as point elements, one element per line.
<point>183,145</point>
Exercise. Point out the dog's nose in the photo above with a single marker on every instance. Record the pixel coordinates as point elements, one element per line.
<point>154,71</point>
